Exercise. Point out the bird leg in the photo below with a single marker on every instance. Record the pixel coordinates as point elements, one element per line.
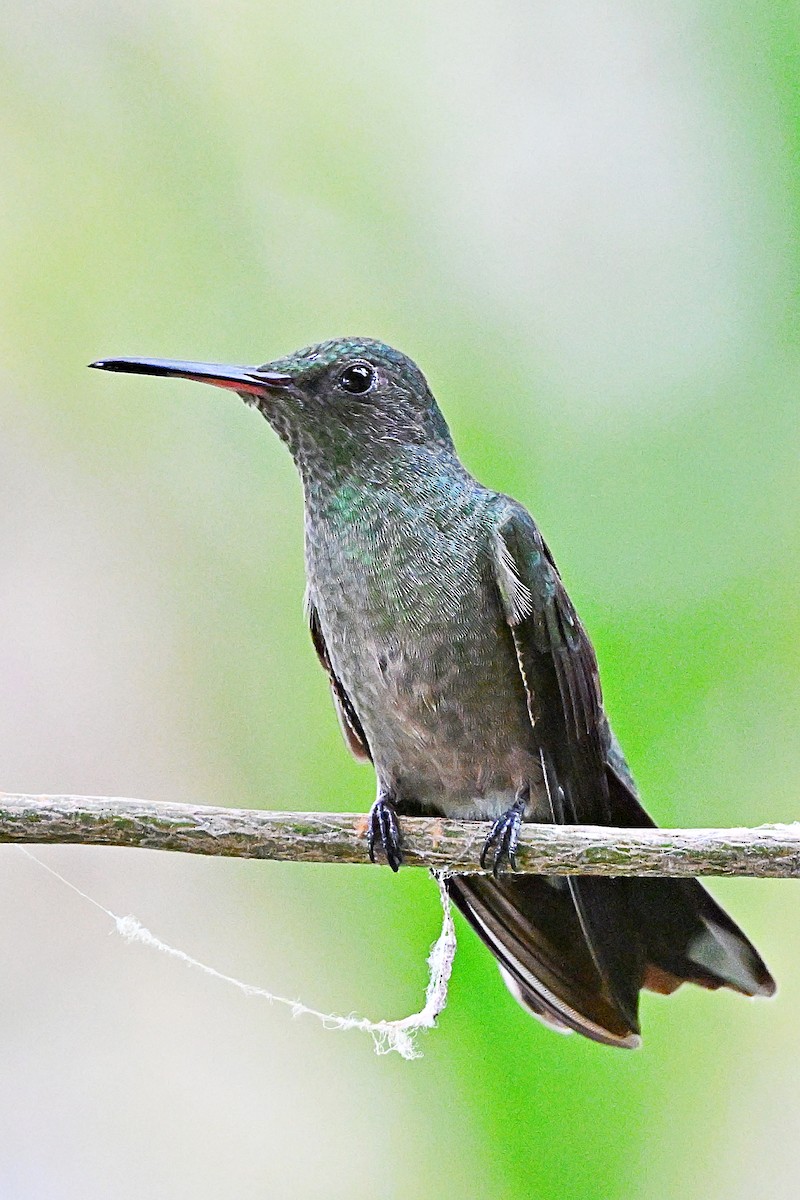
<point>503,837</point>
<point>383,827</point>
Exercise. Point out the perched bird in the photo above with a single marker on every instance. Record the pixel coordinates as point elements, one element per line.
<point>460,669</point>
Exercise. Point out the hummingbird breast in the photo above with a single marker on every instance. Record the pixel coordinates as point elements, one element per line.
<point>408,605</point>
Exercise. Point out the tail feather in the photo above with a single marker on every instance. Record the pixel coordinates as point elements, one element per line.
<point>686,936</point>
<point>670,930</point>
<point>530,924</point>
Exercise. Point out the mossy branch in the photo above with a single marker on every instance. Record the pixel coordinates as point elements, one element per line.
<point>766,851</point>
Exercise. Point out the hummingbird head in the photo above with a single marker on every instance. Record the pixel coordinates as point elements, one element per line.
<point>334,404</point>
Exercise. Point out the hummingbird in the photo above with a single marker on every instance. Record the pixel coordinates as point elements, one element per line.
<point>460,669</point>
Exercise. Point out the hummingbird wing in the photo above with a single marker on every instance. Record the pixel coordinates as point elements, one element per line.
<point>559,673</point>
<point>352,728</point>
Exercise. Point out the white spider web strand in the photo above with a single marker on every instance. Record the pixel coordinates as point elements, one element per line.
<point>400,1035</point>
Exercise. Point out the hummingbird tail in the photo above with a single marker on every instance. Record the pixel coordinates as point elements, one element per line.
<point>531,925</point>
<point>686,936</point>
<point>675,932</point>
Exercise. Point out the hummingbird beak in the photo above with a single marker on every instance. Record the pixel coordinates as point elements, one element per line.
<point>251,380</point>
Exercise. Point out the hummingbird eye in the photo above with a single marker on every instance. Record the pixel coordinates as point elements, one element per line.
<point>357,378</point>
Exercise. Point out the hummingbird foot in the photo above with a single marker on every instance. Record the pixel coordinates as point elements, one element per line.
<point>383,828</point>
<point>502,839</point>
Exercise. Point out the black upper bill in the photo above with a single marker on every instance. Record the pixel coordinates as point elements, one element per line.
<point>239,379</point>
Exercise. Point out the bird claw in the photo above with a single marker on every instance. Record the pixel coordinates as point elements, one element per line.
<point>383,828</point>
<point>503,838</point>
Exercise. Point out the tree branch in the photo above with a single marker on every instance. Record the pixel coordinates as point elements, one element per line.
<point>767,851</point>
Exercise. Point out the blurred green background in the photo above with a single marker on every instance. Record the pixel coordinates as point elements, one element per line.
<point>583,222</point>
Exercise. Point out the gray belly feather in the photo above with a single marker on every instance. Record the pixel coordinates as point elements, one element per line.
<point>414,630</point>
